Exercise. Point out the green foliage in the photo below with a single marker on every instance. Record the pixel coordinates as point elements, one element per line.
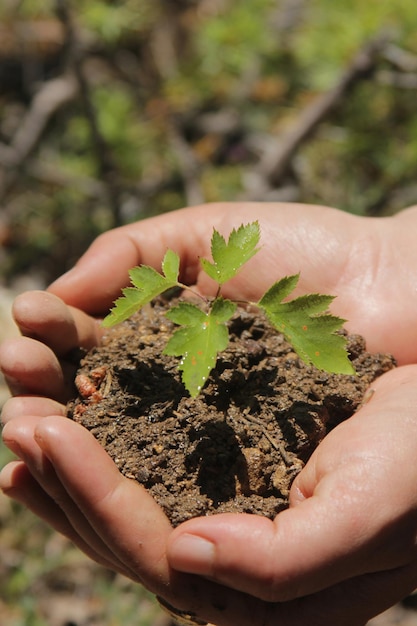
<point>201,335</point>
<point>239,45</point>
<point>229,257</point>
<point>148,284</point>
<point>30,8</point>
<point>345,26</point>
<point>220,183</point>
<point>199,340</point>
<point>46,569</point>
<point>111,21</point>
<point>307,327</point>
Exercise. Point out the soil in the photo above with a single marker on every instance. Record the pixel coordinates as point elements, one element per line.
<point>238,446</point>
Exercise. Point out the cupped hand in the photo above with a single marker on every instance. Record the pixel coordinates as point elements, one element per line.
<point>43,361</point>
<point>65,477</point>
<point>370,264</point>
<point>346,548</point>
<point>329,548</point>
<point>343,552</point>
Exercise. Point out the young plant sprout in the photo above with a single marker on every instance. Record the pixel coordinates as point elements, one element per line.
<point>304,321</point>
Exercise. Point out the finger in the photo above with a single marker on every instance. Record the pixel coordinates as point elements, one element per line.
<point>30,367</point>
<point>115,252</point>
<point>30,405</point>
<point>128,519</point>
<point>43,316</point>
<point>120,511</point>
<point>124,516</point>
<point>206,600</point>
<point>35,484</point>
<point>231,609</point>
<point>342,527</point>
<point>372,594</point>
<point>379,443</point>
<point>17,483</point>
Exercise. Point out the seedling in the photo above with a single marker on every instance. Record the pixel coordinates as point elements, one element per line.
<point>203,333</point>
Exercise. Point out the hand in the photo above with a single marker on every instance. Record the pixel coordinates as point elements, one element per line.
<point>328,247</point>
<point>368,263</point>
<point>65,477</point>
<point>346,549</point>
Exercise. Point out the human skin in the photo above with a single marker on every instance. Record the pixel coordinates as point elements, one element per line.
<point>346,548</point>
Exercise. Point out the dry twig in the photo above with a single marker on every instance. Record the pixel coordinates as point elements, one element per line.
<point>52,96</point>
<point>275,163</point>
<point>75,59</point>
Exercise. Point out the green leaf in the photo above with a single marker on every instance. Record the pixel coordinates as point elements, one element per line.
<point>171,266</point>
<point>308,327</point>
<point>199,340</point>
<point>148,284</point>
<point>228,257</point>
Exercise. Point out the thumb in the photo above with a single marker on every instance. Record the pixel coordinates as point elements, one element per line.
<point>341,523</point>
<point>276,561</point>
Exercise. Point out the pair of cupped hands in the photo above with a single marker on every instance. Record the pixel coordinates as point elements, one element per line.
<point>346,548</point>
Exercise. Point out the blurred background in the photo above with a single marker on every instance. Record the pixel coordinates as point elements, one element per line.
<point>111,112</point>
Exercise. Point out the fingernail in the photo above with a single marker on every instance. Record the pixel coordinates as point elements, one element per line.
<point>192,554</point>
<point>11,443</point>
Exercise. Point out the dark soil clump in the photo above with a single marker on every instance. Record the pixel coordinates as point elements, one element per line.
<point>239,445</point>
